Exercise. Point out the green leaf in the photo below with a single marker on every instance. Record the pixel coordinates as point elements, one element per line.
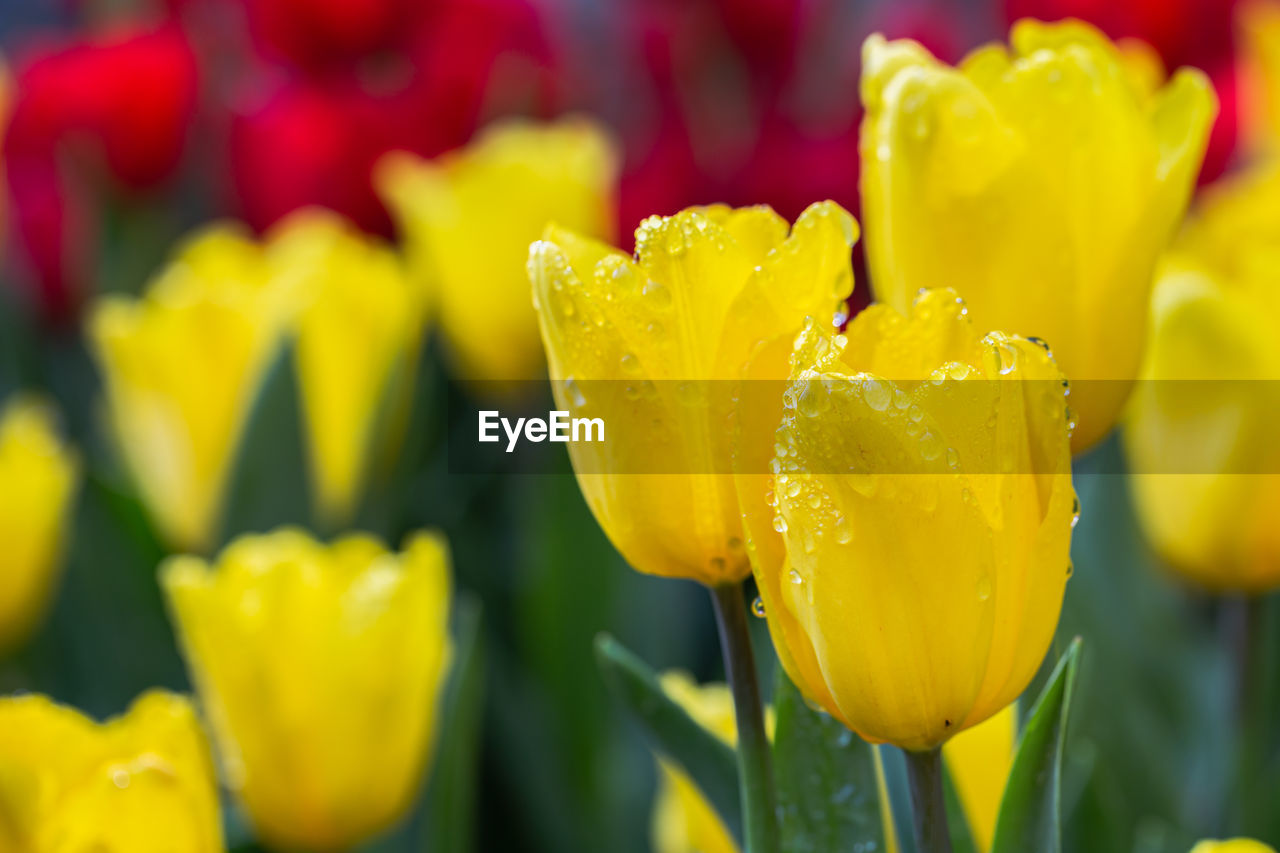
<point>957,821</point>
<point>1029,813</point>
<point>828,799</point>
<point>268,484</point>
<point>710,763</point>
<point>450,807</point>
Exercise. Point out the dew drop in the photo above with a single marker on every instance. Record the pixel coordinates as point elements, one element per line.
<point>1075,511</point>
<point>657,293</point>
<point>844,531</point>
<point>953,458</point>
<point>1071,568</point>
<point>757,607</point>
<point>876,393</point>
<point>630,364</point>
<point>779,523</point>
<point>841,315</point>
<point>576,397</point>
<point>984,587</point>
<point>795,578</point>
<point>793,489</point>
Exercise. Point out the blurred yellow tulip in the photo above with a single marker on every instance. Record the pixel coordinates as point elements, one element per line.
<point>1200,433</point>
<point>1259,27</point>
<point>979,761</point>
<point>1234,845</point>
<point>182,366</point>
<point>915,564</point>
<point>683,820</point>
<point>1040,182</point>
<point>469,217</point>
<point>714,294</point>
<point>320,667</point>
<point>358,336</point>
<point>140,783</point>
<point>38,473</point>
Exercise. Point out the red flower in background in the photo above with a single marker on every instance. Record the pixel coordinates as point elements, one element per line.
<point>314,138</point>
<point>1199,33</point>
<point>117,107</point>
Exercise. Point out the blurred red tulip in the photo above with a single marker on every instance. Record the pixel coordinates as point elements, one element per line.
<point>315,138</point>
<point>1200,33</point>
<point>120,105</point>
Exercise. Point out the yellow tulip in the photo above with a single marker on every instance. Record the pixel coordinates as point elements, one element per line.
<point>923,515</point>
<point>182,366</point>
<point>683,819</point>
<point>140,783</point>
<point>358,336</point>
<point>1234,845</point>
<point>1200,431</point>
<point>979,761</point>
<point>1041,183</point>
<point>649,346</point>
<point>469,217</point>
<point>38,473</point>
<point>1259,26</point>
<point>320,667</point>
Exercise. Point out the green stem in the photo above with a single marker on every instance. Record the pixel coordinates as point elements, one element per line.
<point>755,763</point>
<point>928,807</point>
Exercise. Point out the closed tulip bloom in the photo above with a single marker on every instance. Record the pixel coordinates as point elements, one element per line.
<point>469,217</point>
<point>358,337</point>
<point>38,472</point>
<point>181,367</point>
<point>914,567</point>
<point>320,667</point>
<point>1200,435</point>
<point>684,821</point>
<point>1234,845</point>
<point>647,344</point>
<point>979,761</point>
<point>1041,182</point>
<point>140,783</point>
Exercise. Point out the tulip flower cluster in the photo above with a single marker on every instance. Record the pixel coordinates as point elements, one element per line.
<point>876,479</point>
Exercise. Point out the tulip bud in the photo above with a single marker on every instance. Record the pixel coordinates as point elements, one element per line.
<point>654,345</point>
<point>1235,845</point>
<point>684,821</point>
<point>38,473</point>
<point>1040,182</point>
<point>140,783</point>
<point>321,667</point>
<point>1200,435</point>
<point>914,563</point>
<point>182,366</point>
<point>469,217</point>
<point>358,336</point>
<point>979,761</point>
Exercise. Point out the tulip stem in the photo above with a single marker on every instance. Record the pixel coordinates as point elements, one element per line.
<point>755,761</point>
<point>928,807</point>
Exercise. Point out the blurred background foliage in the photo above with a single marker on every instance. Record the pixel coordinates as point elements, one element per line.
<point>273,105</point>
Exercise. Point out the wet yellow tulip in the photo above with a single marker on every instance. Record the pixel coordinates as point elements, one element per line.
<point>653,346</point>
<point>684,821</point>
<point>1200,434</point>
<point>1234,845</point>
<point>320,667</point>
<point>140,783</point>
<point>913,565</point>
<point>38,473</point>
<point>182,366</point>
<point>979,761</point>
<point>1041,182</point>
<point>358,335</point>
<point>469,217</point>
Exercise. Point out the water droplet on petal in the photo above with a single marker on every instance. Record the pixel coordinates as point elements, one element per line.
<point>984,587</point>
<point>1075,511</point>
<point>757,607</point>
